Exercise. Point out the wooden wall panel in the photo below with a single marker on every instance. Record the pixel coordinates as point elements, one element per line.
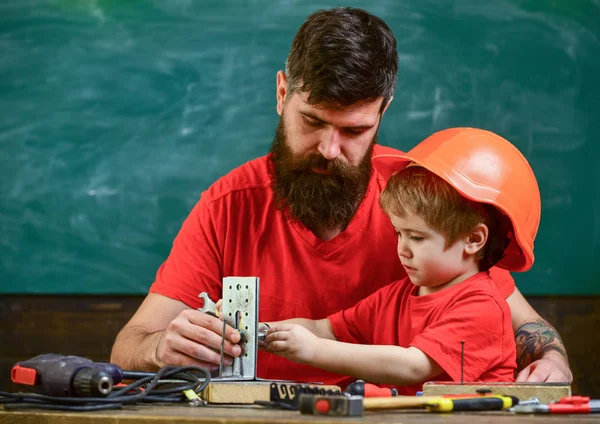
<point>87,326</point>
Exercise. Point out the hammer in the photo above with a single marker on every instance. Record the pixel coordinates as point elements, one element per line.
<point>354,406</point>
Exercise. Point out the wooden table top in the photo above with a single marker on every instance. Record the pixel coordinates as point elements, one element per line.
<point>239,415</point>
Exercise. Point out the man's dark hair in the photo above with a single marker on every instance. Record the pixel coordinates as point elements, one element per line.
<point>342,57</point>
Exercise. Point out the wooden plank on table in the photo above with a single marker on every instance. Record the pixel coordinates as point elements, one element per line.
<point>247,392</point>
<point>545,392</point>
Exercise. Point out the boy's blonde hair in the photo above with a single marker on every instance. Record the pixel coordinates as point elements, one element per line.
<point>416,190</point>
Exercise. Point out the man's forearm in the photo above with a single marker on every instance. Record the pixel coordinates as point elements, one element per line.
<point>135,349</point>
<point>537,339</point>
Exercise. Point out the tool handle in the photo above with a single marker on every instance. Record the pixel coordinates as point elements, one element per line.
<point>398,402</point>
<point>558,408</point>
<point>484,403</point>
<point>360,388</point>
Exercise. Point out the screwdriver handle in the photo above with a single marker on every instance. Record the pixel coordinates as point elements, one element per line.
<point>360,388</point>
<point>484,403</point>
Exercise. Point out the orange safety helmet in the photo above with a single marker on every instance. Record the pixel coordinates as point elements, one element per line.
<point>485,168</point>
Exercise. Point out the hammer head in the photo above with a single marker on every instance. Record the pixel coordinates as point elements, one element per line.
<point>344,406</point>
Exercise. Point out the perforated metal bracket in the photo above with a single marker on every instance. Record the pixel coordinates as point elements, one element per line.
<point>240,310</point>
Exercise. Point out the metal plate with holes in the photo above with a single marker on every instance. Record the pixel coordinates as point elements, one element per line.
<point>240,310</point>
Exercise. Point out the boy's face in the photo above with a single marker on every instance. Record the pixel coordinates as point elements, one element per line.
<point>427,261</point>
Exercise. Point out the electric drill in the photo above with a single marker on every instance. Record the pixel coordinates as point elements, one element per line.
<point>58,375</point>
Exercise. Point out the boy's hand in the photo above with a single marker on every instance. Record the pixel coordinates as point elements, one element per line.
<point>293,342</point>
<point>261,326</point>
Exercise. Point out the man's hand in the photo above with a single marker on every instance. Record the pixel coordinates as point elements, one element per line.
<point>546,370</point>
<point>194,338</point>
<point>541,354</point>
<point>292,341</point>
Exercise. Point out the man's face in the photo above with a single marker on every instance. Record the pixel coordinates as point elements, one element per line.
<point>321,161</point>
<point>344,135</point>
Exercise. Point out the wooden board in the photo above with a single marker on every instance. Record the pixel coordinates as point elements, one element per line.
<point>545,392</point>
<point>183,414</point>
<point>247,392</point>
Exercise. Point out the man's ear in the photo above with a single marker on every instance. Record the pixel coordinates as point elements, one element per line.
<point>388,105</point>
<point>476,239</point>
<point>281,91</point>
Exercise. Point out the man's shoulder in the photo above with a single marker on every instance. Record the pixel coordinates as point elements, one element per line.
<point>386,160</point>
<point>250,177</point>
<point>380,151</point>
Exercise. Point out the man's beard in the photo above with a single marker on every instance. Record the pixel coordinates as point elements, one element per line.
<point>318,201</point>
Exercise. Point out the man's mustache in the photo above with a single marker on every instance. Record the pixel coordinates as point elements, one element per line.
<point>315,160</point>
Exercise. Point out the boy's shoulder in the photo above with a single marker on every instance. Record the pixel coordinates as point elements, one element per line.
<point>481,284</point>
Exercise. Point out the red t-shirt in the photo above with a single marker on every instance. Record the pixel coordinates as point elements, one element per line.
<point>473,311</point>
<point>235,230</point>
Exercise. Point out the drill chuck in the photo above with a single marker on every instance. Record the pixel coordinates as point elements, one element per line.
<point>92,382</point>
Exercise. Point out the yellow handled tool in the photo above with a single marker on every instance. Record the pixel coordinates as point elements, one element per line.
<point>482,403</point>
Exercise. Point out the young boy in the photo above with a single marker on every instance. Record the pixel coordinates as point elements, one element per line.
<point>461,201</point>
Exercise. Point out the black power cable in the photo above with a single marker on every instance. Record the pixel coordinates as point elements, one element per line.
<point>146,389</point>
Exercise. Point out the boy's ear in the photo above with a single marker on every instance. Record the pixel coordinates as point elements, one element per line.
<point>476,239</point>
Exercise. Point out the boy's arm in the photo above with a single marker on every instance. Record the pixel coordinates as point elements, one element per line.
<point>541,355</point>
<point>394,365</point>
<point>378,364</point>
<point>319,327</point>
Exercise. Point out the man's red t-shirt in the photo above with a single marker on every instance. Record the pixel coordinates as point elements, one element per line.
<point>235,230</point>
<point>473,311</point>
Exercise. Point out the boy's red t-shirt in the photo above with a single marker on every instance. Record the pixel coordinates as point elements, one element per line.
<point>472,311</point>
<point>235,230</point>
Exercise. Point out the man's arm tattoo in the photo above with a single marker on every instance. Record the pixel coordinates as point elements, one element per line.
<point>533,339</point>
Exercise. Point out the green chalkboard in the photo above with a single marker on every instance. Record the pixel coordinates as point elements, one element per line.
<point>115,115</point>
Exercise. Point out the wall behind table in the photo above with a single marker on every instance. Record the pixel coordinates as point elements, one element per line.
<point>116,115</point>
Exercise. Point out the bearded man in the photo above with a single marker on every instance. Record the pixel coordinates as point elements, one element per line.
<point>304,219</point>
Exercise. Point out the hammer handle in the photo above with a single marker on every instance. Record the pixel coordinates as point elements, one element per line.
<point>397,402</point>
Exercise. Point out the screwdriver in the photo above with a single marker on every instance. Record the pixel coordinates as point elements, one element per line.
<point>360,388</point>
<point>482,403</point>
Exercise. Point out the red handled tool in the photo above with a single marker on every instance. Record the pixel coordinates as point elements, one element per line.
<point>567,405</point>
<point>360,388</point>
